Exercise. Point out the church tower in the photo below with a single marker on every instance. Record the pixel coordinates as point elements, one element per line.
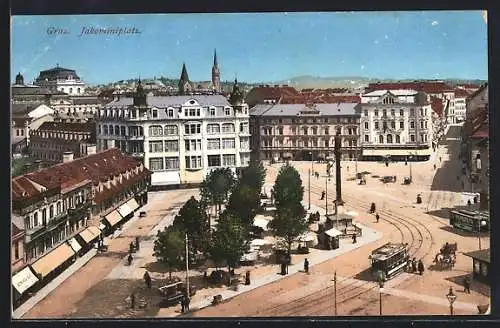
<point>215,74</point>
<point>140,96</point>
<point>19,79</point>
<point>184,84</point>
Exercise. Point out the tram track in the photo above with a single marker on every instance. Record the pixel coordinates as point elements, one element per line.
<point>318,303</point>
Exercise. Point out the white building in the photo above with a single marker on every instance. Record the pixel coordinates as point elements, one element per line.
<point>76,109</point>
<point>461,104</point>
<point>179,138</point>
<point>61,79</point>
<point>478,99</point>
<point>396,123</point>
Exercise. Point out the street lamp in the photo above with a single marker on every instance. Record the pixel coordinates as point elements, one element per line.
<point>309,180</point>
<point>410,158</point>
<point>380,291</point>
<point>451,298</point>
<point>481,223</point>
<point>327,179</point>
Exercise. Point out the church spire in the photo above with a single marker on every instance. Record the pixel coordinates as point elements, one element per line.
<point>184,84</point>
<point>216,74</point>
<point>215,58</point>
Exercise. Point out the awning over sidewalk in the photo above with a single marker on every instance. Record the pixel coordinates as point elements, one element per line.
<point>132,204</point>
<point>53,260</point>
<point>124,210</point>
<point>88,235</point>
<point>23,280</point>
<point>333,232</point>
<point>75,245</point>
<point>113,218</point>
<point>95,230</point>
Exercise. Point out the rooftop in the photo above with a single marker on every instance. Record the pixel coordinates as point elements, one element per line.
<point>482,255</point>
<point>172,101</point>
<point>337,109</point>
<point>87,127</point>
<point>396,92</point>
<point>422,86</point>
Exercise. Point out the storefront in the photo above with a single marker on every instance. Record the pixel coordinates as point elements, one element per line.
<point>481,265</point>
<point>88,237</point>
<point>125,211</point>
<point>112,219</point>
<point>53,262</point>
<point>22,282</point>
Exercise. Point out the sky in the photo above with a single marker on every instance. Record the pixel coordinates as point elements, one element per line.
<point>256,47</point>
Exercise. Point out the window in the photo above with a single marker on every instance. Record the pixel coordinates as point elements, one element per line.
<point>193,128</point>
<point>398,139</point>
<point>105,130</point>
<point>156,163</point>
<point>155,146</point>
<point>412,124</point>
<point>212,111</point>
<point>51,211</point>
<point>58,208</point>
<point>171,145</point>
<point>280,130</point>
<point>477,266</point>
<point>227,111</point>
<point>401,112</point>
<point>194,162</point>
<point>154,113</point>
<point>365,112</point>
<point>305,130</point>
<point>213,128</point>
<point>171,130</point>
<point>170,112</point>
<point>393,124</point>
<point>401,125</point>
<point>366,125</point>
<point>44,216</point>
<point>412,137</point>
<point>376,125</point>
<point>155,131</point>
<point>213,144</point>
<point>213,160</point>
<point>228,143</point>
<point>381,139</point>
<point>192,145</point>
<point>384,113</point>
<point>228,160</point>
<point>17,132</point>
<point>99,128</point>
<point>393,112</point>
<point>327,130</point>
<point>16,251</point>
<point>412,111</point>
<point>389,138</point>
<point>375,112</point>
<point>227,128</point>
<point>171,163</point>
<point>123,131</point>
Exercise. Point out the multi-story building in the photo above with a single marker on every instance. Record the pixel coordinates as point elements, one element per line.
<point>461,104</point>
<point>33,95</point>
<point>76,109</point>
<point>61,207</point>
<point>52,140</point>
<point>396,123</point>
<point>179,138</point>
<point>17,248</point>
<point>61,79</point>
<point>479,99</point>
<point>304,131</point>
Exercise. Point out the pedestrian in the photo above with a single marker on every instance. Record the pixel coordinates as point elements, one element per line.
<point>466,285</point>
<point>129,259</point>
<point>183,304</point>
<point>414,265</point>
<point>247,277</point>
<point>421,267</point>
<point>475,199</point>
<point>434,166</point>
<point>306,266</point>
<point>372,208</point>
<point>377,217</point>
<point>187,300</point>
<point>322,195</point>
<point>131,247</point>
<point>132,301</point>
<point>137,243</point>
<point>347,168</point>
<point>469,203</point>
<point>439,159</point>
<point>354,239</point>
<point>147,280</point>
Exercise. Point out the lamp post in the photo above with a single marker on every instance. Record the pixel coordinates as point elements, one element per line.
<point>310,171</point>
<point>451,298</point>
<point>410,158</point>
<point>327,179</point>
<point>335,292</point>
<point>187,266</point>
<point>481,223</point>
<point>380,291</point>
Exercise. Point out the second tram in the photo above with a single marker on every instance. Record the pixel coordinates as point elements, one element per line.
<point>472,221</point>
<point>389,260</point>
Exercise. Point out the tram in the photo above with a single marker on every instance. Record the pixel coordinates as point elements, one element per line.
<point>472,221</point>
<point>389,260</point>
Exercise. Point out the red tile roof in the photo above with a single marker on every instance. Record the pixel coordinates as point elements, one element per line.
<point>321,99</point>
<point>469,86</point>
<point>87,127</point>
<point>475,120</point>
<point>482,132</point>
<point>422,86</point>
<point>15,230</point>
<point>437,106</point>
<point>461,93</point>
<point>261,93</point>
<point>97,167</point>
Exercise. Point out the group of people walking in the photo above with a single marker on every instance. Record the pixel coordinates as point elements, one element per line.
<point>417,266</point>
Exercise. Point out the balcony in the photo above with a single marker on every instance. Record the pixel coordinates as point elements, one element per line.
<point>79,207</point>
<point>135,137</point>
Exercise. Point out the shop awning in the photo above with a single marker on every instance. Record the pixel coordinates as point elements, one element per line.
<point>102,226</point>
<point>94,230</point>
<point>87,235</point>
<point>75,245</point>
<point>124,210</point>
<point>333,232</point>
<point>132,203</point>
<point>53,260</point>
<point>23,280</point>
<point>113,218</point>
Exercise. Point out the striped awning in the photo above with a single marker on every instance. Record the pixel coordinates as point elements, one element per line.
<point>75,245</point>
<point>113,218</point>
<point>53,259</point>
<point>132,204</point>
<point>23,280</point>
<point>124,210</point>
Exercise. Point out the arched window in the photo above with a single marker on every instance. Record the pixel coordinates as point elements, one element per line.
<point>171,130</point>
<point>380,139</point>
<point>70,90</point>
<point>227,128</point>
<point>117,130</point>
<point>78,90</point>
<point>398,139</point>
<point>389,138</point>
<point>105,129</point>
<point>155,131</point>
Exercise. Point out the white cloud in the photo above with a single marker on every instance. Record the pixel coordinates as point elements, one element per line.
<point>434,23</point>
<point>386,37</point>
<point>177,42</point>
<point>362,67</point>
<point>445,34</point>
<point>375,42</point>
<point>47,48</point>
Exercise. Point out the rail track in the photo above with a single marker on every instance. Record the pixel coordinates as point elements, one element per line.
<point>412,231</point>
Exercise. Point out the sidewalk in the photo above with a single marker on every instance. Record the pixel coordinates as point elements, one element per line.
<point>79,263</point>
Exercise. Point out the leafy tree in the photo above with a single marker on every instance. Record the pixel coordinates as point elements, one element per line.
<point>229,241</point>
<point>193,220</point>
<point>289,220</point>
<point>169,248</point>
<point>244,203</point>
<point>254,176</point>
<point>216,187</point>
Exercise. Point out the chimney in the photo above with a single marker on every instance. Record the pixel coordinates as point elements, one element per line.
<point>91,149</point>
<point>67,156</point>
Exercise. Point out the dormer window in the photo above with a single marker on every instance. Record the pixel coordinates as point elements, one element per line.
<point>170,113</point>
<point>227,111</point>
<point>154,113</point>
<point>212,111</point>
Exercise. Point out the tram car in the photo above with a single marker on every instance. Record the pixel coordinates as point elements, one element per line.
<point>389,260</point>
<point>472,221</point>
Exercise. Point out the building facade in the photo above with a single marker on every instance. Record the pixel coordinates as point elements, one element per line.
<point>61,79</point>
<point>53,139</point>
<point>479,99</point>
<point>461,104</point>
<point>76,109</point>
<point>17,248</point>
<point>304,131</point>
<point>397,123</point>
<point>64,208</point>
<point>179,138</point>
<point>25,119</point>
<point>216,75</point>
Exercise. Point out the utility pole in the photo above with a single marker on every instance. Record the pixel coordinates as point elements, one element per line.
<point>187,266</point>
<point>309,186</point>
<point>326,195</point>
<point>335,292</point>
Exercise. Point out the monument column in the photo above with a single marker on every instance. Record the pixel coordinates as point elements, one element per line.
<point>338,179</point>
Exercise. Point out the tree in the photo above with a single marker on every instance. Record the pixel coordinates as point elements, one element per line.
<point>289,220</point>
<point>193,220</point>
<point>244,203</point>
<point>169,248</point>
<point>216,187</point>
<point>254,176</point>
<point>229,241</point>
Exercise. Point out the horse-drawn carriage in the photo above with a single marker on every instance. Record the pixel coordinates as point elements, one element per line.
<point>447,255</point>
